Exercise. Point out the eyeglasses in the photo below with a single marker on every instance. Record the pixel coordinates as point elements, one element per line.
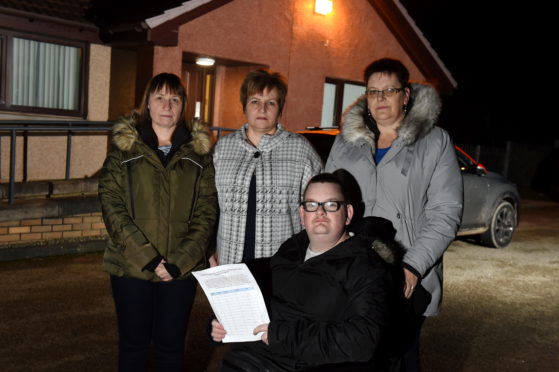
<point>389,92</point>
<point>328,206</point>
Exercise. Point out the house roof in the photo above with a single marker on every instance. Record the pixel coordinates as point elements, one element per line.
<point>112,14</point>
<point>160,25</point>
<point>70,10</point>
<point>147,21</point>
<point>66,19</point>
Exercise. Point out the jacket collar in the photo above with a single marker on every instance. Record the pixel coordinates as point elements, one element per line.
<point>126,133</point>
<point>382,243</point>
<point>267,142</point>
<point>419,120</point>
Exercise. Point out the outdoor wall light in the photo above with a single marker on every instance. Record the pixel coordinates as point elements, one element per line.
<point>205,61</point>
<point>323,7</point>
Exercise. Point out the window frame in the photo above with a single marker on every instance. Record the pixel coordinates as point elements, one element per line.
<point>6,69</point>
<point>339,96</point>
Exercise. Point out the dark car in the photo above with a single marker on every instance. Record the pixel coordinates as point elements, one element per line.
<point>491,202</point>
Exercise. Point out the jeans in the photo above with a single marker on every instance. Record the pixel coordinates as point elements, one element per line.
<point>148,311</point>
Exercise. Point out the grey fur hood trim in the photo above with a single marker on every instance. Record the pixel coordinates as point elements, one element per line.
<point>417,123</point>
<point>125,134</point>
<point>390,251</point>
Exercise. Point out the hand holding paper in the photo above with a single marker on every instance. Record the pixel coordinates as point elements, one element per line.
<point>236,300</point>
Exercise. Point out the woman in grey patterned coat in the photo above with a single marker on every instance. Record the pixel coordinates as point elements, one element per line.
<point>261,171</point>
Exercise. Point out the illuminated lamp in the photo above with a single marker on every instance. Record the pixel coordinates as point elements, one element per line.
<point>323,7</point>
<point>205,61</point>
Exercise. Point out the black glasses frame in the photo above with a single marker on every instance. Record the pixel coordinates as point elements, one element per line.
<point>337,203</point>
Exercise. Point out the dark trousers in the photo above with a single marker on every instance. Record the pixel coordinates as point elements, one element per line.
<point>148,311</point>
<point>411,356</point>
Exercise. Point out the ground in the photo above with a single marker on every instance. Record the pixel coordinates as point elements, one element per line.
<point>500,309</point>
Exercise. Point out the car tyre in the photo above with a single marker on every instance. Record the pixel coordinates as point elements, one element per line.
<point>501,227</point>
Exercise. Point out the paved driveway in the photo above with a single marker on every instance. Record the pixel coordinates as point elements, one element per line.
<point>500,311</point>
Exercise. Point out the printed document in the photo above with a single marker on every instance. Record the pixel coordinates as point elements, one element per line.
<point>236,300</point>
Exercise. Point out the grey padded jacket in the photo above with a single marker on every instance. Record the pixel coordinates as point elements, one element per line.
<point>417,185</point>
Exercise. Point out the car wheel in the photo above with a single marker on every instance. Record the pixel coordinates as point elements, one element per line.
<point>501,228</point>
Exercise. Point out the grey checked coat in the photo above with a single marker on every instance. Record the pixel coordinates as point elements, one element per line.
<point>285,163</point>
<point>417,185</point>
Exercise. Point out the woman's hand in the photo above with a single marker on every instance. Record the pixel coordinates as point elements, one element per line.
<point>218,332</point>
<point>213,260</point>
<point>410,283</point>
<point>162,272</point>
<point>262,328</point>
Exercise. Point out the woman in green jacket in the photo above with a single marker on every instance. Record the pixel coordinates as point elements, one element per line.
<point>159,204</point>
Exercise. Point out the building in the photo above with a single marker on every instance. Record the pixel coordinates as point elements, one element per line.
<point>91,59</point>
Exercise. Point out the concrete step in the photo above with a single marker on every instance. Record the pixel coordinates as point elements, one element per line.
<point>51,189</point>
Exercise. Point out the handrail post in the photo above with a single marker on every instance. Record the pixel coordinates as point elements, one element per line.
<point>11,189</point>
<point>68,151</point>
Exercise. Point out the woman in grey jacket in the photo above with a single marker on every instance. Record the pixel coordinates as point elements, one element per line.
<point>407,172</point>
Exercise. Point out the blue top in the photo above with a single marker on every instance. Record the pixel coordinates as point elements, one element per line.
<point>165,149</point>
<point>379,154</point>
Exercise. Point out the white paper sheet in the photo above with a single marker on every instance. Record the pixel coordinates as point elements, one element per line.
<point>236,300</point>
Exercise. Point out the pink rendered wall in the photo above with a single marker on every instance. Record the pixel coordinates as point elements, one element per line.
<point>230,108</point>
<point>290,38</point>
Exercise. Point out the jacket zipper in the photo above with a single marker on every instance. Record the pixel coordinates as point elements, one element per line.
<point>196,187</point>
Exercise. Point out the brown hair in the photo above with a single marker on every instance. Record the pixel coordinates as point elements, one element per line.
<point>261,79</point>
<point>328,178</point>
<point>388,66</point>
<point>163,81</point>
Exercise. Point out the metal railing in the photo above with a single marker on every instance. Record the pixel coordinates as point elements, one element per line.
<point>219,131</point>
<point>13,128</point>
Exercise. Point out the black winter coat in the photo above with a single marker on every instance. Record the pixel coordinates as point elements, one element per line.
<point>330,308</point>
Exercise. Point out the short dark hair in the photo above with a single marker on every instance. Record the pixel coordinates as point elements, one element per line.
<point>261,79</point>
<point>173,84</point>
<point>328,178</point>
<point>388,66</point>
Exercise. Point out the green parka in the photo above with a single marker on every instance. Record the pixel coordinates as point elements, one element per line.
<point>151,210</point>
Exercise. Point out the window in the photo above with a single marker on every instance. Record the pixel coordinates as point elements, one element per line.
<point>338,95</point>
<point>41,76</point>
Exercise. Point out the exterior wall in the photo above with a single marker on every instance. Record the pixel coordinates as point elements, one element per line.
<point>228,107</point>
<point>290,38</point>
<point>123,83</point>
<point>41,229</point>
<point>167,59</point>
<point>46,155</point>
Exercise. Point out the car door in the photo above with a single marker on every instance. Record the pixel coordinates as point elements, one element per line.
<point>475,193</point>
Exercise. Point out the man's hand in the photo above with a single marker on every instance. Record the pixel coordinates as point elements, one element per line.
<point>410,283</point>
<point>218,332</point>
<point>213,260</point>
<point>262,328</point>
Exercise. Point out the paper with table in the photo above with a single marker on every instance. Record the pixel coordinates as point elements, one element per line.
<point>236,300</point>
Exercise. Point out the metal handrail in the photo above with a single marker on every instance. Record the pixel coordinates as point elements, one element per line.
<point>55,127</point>
<point>67,128</point>
<point>219,131</point>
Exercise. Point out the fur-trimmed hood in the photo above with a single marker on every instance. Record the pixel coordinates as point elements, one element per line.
<point>125,134</point>
<point>381,232</point>
<point>418,121</point>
